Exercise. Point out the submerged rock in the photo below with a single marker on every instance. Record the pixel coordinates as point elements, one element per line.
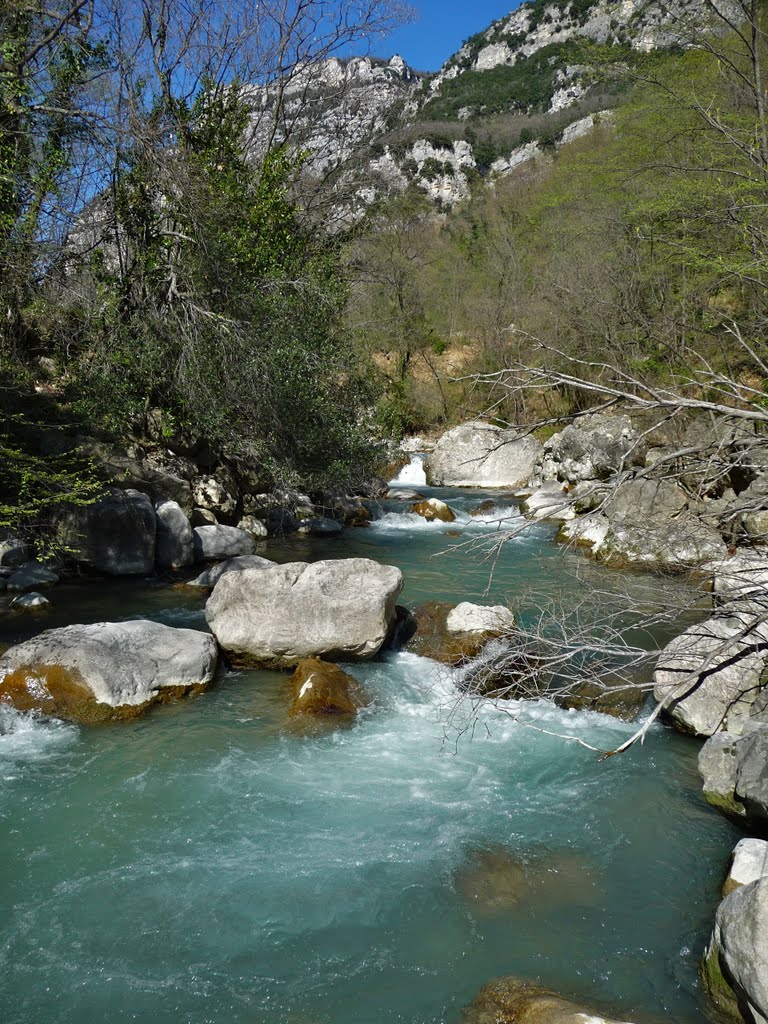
<point>515,1001</point>
<point>433,509</point>
<point>219,542</point>
<point>320,526</point>
<point>403,494</point>
<point>477,454</point>
<point>496,880</point>
<point>210,577</point>
<point>341,609</point>
<point>320,688</point>
<point>106,671</point>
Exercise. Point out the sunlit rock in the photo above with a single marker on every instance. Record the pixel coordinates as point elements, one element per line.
<point>321,688</point>
<point>341,610</point>
<point>106,671</point>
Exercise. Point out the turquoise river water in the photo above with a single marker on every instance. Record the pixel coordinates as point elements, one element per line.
<point>212,863</point>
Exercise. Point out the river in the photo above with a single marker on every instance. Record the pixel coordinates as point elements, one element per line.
<point>211,862</point>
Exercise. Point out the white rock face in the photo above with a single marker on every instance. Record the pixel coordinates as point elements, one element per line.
<point>749,863</point>
<point>742,578</point>
<point>219,542</point>
<point>208,579</point>
<point>549,502</point>
<point>476,618</point>
<point>341,609</point>
<point>211,493</point>
<point>175,547</point>
<point>740,940</point>
<point>711,672</point>
<point>116,664</point>
<point>476,454</point>
<point>590,530</point>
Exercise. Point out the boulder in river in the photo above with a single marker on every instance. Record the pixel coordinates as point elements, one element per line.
<point>650,525</point>
<point>595,447</point>
<point>106,671</point>
<point>454,634</point>
<point>515,1001</point>
<point>321,688</point>
<point>320,526</point>
<point>175,547</point>
<point>477,454</point>
<point>31,602</point>
<point>479,619</point>
<point>709,677</point>
<point>550,501</point>
<point>32,576</point>
<point>734,970</point>
<point>749,862</point>
<point>432,509</point>
<point>219,542</point>
<point>208,578</point>
<point>340,610</point>
<point>116,535</point>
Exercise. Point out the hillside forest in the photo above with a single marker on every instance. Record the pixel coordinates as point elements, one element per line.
<point>163,277</point>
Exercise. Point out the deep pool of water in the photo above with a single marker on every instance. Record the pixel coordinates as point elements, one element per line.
<point>213,863</point>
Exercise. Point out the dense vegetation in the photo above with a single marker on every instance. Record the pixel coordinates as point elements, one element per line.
<point>156,266</point>
<point>638,253</point>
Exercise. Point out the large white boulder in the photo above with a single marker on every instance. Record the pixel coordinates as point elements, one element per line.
<point>217,542</point>
<point>596,447</point>
<point>175,547</point>
<point>737,957</point>
<point>341,609</point>
<point>477,454</point>
<point>478,618</point>
<point>709,676</point>
<point>107,670</point>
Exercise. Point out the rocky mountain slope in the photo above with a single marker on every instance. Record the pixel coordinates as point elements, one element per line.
<point>509,93</point>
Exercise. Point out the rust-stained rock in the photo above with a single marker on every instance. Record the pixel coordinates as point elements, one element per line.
<point>434,510</point>
<point>321,688</point>
<point>515,1001</point>
<point>107,671</point>
<point>432,639</point>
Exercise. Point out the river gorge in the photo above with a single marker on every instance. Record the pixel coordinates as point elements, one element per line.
<point>214,861</point>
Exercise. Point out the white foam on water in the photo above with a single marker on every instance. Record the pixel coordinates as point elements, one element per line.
<point>29,737</point>
<point>500,520</point>
<point>413,474</point>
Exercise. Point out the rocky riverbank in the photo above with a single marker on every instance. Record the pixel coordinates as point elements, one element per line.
<point>608,487</point>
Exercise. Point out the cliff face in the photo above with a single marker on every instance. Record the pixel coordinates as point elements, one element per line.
<point>510,93</point>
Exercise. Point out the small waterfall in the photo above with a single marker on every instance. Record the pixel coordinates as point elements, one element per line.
<point>413,474</point>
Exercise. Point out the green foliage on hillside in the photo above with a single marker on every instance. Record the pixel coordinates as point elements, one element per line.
<point>528,85</point>
<point>639,250</point>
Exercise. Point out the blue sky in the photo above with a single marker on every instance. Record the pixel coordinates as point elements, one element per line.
<point>440,29</point>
